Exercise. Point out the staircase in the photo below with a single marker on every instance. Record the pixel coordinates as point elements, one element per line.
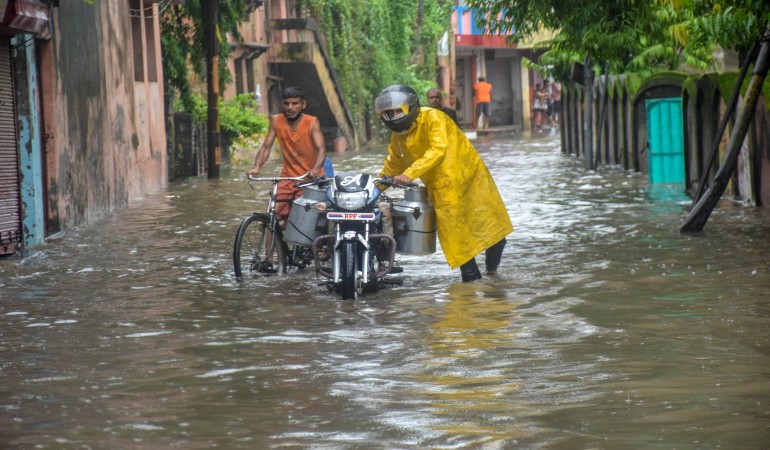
<point>298,57</point>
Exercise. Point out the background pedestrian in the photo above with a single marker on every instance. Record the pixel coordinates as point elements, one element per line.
<point>483,93</point>
<point>436,100</point>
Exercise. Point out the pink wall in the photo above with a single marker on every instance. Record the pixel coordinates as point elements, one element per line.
<point>108,143</point>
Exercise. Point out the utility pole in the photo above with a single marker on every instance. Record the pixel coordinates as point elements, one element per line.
<point>210,19</point>
<point>701,210</point>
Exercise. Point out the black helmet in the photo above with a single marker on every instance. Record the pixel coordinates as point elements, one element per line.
<point>397,106</point>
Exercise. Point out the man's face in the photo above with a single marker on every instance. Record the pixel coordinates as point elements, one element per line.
<point>434,99</point>
<point>292,107</point>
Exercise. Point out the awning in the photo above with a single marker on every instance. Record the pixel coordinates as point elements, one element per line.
<point>23,16</point>
<point>252,50</point>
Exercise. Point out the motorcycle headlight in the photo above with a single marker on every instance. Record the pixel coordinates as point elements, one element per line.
<point>351,200</point>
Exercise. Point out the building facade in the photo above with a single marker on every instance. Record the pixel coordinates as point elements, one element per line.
<point>474,53</point>
<point>82,128</point>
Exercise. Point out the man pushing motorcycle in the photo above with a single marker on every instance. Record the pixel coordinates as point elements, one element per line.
<point>426,144</point>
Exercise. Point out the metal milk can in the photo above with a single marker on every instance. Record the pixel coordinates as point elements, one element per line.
<point>414,223</point>
<point>307,219</point>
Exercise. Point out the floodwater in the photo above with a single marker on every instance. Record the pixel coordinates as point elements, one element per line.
<point>605,328</point>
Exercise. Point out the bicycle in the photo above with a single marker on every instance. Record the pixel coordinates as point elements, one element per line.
<point>259,246</point>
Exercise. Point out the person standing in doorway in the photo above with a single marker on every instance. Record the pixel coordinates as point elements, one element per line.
<point>556,108</point>
<point>540,106</point>
<point>483,93</point>
<point>548,103</point>
<point>436,100</point>
<point>302,147</point>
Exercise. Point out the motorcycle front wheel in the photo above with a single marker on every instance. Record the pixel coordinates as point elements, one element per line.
<point>348,266</point>
<point>257,249</point>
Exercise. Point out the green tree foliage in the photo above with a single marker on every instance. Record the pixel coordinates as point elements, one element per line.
<point>733,24</point>
<point>632,35</point>
<point>376,43</point>
<point>183,50</point>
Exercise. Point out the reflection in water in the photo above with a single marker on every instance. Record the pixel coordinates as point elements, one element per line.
<point>605,328</point>
<point>668,194</point>
<point>465,368</point>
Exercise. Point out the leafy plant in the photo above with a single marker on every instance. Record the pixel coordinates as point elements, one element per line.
<point>238,117</point>
<point>732,24</point>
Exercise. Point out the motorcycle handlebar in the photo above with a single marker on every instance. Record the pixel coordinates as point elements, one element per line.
<point>388,181</point>
<point>320,181</point>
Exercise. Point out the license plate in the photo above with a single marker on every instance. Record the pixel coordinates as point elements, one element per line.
<point>369,217</point>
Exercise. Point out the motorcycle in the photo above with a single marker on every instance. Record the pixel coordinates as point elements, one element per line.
<point>363,225</point>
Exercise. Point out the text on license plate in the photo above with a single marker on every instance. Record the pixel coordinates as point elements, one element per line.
<point>350,216</point>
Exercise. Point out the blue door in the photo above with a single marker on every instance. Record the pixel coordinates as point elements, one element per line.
<point>665,140</point>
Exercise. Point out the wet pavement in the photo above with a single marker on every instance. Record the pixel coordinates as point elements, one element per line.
<point>606,328</point>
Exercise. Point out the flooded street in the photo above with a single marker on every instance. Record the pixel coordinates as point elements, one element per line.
<point>605,328</point>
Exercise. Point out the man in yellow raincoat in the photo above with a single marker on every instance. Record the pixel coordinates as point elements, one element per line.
<point>426,144</point>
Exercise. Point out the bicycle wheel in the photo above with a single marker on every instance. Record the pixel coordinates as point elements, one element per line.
<point>348,268</point>
<point>257,249</point>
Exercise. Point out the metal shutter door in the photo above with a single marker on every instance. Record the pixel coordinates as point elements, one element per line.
<point>10,212</point>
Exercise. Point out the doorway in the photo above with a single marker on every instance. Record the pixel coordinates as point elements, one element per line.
<point>665,140</point>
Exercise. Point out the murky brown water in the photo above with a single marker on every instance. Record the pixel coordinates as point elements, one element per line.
<point>605,329</point>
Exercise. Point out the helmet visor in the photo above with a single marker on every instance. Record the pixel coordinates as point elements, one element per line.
<point>393,100</point>
<point>392,114</point>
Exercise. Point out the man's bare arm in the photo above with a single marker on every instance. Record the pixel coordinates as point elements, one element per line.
<point>318,142</point>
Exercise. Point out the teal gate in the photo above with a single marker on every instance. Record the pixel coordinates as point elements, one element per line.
<point>665,140</point>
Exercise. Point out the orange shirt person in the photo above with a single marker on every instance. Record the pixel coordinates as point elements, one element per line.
<point>302,146</point>
<point>483,93</point>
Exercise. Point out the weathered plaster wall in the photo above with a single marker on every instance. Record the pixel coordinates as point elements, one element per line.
<point>252,31</point>
<point>110,133</point>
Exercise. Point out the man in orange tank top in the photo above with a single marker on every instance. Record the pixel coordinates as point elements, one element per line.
<point>483,92</point>
<point>302,146</point>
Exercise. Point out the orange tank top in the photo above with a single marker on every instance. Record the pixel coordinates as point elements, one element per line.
<point>297,148</point>
<point>483,92</point>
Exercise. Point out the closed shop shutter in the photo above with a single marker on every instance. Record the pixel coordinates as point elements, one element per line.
<point>10,212</point>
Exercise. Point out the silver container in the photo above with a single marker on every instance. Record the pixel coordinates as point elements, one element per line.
<point>414,223</point>
<point>306,221</point>
<point>314,193</point>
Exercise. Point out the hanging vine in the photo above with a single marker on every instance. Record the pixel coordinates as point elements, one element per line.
<point>376,43</point>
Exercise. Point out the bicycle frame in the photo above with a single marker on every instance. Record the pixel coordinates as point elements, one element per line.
<point>274,196</point>
<point>274,219</point>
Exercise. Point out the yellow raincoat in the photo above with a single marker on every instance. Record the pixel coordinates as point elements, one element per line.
<point>470,214</point>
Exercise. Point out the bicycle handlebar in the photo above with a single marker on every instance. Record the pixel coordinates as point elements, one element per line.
<point>274,179</point>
